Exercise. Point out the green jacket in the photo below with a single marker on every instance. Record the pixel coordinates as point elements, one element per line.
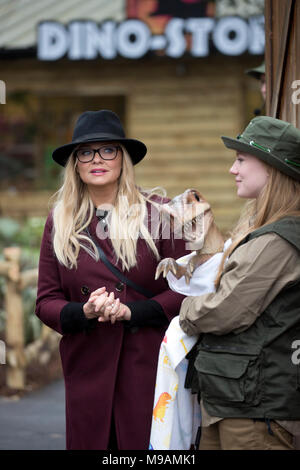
<point>251,374</point>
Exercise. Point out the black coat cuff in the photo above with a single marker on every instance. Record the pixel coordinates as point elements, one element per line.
<point>146,313</point>
<point>73,319</point>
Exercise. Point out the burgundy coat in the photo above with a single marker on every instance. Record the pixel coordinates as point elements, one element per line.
<point>110,369</point>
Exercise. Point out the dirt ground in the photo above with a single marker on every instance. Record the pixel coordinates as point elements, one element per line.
<point>37,375</point>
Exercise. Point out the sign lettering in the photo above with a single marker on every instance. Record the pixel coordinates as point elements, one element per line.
<point>133,39</point>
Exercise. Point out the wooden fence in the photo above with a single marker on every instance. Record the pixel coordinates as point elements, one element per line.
<point>18,355</point>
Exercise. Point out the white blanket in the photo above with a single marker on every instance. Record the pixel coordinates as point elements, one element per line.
<point>176,412</point>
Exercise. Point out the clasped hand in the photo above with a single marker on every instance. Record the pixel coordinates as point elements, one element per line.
<point>105,307</point>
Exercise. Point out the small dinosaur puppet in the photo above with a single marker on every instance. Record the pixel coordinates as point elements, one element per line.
<point>190,214</point>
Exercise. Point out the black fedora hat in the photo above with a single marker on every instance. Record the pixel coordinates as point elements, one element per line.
<point>100,126</point>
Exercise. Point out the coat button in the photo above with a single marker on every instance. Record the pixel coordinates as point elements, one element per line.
<point>120,286</point>
<point>134,329</point>
<point>85,290</point>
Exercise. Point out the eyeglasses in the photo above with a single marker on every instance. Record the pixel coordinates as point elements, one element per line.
<point>86,154</point>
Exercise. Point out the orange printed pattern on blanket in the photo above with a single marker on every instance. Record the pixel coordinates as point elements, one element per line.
<point>161,406</point>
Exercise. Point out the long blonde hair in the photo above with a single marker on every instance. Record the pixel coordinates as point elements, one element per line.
<point>279,198</point>
<point>73,211</point>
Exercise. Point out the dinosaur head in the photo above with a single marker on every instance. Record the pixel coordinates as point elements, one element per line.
<point>189,214</point>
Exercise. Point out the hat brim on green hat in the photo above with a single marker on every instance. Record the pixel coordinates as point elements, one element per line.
<point>257,72</point>
<point>265,156</point>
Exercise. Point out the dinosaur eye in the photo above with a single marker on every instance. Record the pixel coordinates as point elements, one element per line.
<point>197,197</point>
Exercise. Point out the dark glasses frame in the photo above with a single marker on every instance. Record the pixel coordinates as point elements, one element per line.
<point>98,150</point>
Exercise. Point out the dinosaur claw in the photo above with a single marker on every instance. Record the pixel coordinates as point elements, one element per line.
<point>158,271</point>
<point>173,270</point>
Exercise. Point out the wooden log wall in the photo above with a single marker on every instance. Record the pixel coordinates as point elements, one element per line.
<point>179,109</point>
<point>181,120</point>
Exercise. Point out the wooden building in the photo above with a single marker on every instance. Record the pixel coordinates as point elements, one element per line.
<point>178,101</point>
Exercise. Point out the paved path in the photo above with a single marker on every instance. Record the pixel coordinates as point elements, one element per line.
<point>34,422</point>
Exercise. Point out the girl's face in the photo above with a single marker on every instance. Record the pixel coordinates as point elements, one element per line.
<point>103,170</point>
<point>251,175</point>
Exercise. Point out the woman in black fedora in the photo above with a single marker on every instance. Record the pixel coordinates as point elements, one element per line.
<point>96,286</point>
<point>247,358</point>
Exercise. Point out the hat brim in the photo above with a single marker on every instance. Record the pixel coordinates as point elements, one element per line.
<point>255,74</point>
<point>267,157</point>
<point>136,149</point>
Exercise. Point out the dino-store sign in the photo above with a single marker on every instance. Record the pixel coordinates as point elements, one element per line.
<point>133,39</point>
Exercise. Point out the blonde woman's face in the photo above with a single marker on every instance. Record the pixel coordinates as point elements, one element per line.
<point>100,168</point>
<point>251,175</point>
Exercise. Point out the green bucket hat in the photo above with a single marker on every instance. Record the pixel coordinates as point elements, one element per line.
<point>275,142</point>
<point>257,72</point>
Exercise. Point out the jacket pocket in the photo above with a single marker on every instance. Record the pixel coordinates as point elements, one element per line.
<point>229,378</point>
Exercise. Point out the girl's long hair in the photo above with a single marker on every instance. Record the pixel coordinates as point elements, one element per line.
<point>279,198</point>
<point>73,211</point>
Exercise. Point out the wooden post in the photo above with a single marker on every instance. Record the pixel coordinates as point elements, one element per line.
<point>282,20</point>
<point>28,278</point>
<point>15,371</point>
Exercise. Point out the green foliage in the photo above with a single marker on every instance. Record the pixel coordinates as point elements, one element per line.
<point>26,234</point>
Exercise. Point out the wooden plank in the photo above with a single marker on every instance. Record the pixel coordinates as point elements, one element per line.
<point>162,140</point>
<point>282,23</point>
<point>14,327</point>
<point>196,97</point>
<point>183,127</point>
<point>282,52</point>
<point>208,158</point>
<point>172,111</point>
<point>22,204</point>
